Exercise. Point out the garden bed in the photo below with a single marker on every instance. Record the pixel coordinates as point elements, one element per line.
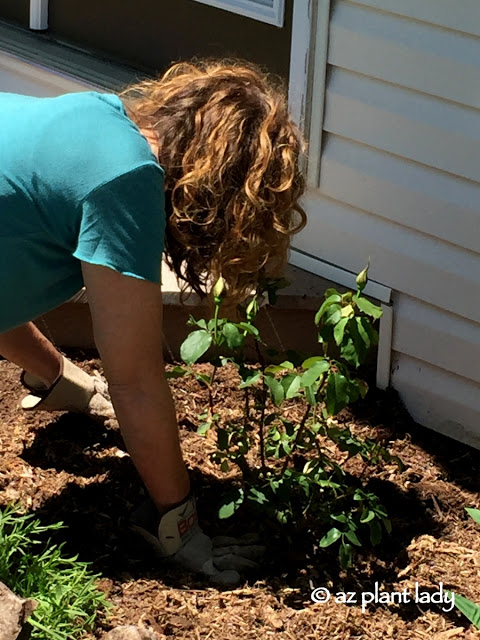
<point>65,467</point>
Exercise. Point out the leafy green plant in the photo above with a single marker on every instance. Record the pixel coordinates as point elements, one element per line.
<point>68,598</point>
<point>470,609</point>
<point>295,475</point>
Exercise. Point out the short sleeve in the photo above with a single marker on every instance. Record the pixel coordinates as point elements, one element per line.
<point>123,224</point>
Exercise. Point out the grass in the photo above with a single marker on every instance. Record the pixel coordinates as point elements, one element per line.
<point>32,567</point>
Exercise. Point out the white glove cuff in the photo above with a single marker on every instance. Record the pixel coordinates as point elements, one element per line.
<point>178,526</point>
<point>72,390</point>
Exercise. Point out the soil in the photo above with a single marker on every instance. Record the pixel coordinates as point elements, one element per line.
<point>65,467</point>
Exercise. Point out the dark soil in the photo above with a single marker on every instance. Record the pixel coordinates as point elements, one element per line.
<point>65,467</point>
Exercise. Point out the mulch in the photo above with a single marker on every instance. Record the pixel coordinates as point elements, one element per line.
<point>65,467</point>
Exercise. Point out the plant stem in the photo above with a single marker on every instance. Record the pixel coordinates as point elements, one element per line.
<point>210,394</point>
<point>246,422</point>
<point>297,438</point>
<point>217,309</point>
<point>262,435</point>
<point>263,403</point>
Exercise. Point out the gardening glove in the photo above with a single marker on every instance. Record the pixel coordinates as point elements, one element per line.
<point>176,536</point>
<point>73,390</point>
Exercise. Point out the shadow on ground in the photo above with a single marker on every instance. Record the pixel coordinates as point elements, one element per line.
<point>459,462</point>
<point>96,510</point>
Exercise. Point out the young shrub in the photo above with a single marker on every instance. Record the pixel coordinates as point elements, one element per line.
<point>296,478</point>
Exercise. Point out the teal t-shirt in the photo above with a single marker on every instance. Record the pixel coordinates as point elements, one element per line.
<point>78,181</point>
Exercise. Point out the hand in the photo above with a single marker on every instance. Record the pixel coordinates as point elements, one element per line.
<point>74,390</point>
<point>176,535</point>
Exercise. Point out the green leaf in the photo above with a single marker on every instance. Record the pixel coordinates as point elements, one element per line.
<point>225,467</point>
<point>249,328</point>
<point>333,315</point>
<point>332,536</point>
<point>345,555</point>
<point>201,324</point>
<point>316,370</point>
<point>387,524</point>
<point>364,330</point>
<point>233,501</point>
<point>375,532</point>
<point>337,393</point>
<point>352,536</point>
<point>469,609</point>
<point>341,517</point>
<point>203,428</point>
<point>370,515</point>
<point>195,345</point>
<point>212,322</point>
<point>328,483</point>
<point>368,307</point>
<point>278,368</point>
<point>257,496</point>
<point>347,312</point>
<point>306,364</point>
<point>232,335</point>
<point>276,389</point>
<point>176,372</point>
<point>250,380</point>
<point>331,292</point>
<point>292,390</point>
<point>473,513</point>
<point>282,516</point>
<point>310,396</point>
<point>202,377</point>
<point>339,331</point>
<point>334,298</point>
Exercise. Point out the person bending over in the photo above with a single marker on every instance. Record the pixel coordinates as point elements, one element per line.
<point>201,165</point>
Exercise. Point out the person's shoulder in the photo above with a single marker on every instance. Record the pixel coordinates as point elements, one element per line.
<point>90,109</point>
<point>95,139</point>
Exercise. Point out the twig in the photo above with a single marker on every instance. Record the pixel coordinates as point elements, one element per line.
<point>297,437</point>
<point>263,403</point>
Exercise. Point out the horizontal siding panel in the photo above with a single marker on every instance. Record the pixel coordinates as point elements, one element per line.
<point>412,54</point>
<point>438,399</point>
<point>404,122</point>
<point>405,260</point>
<point>402,191</point>
<point>442,339</point>
<point>462,15</point>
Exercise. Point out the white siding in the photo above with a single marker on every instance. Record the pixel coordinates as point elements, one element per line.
<point>400,184</point>
<point>438,399</point>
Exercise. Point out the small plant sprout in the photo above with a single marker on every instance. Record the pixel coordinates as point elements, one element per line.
<point>296,478</point>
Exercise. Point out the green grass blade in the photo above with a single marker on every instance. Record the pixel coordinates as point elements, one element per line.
<point>469,609</point>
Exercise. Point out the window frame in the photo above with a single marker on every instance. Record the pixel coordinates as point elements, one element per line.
<point>274,15</point>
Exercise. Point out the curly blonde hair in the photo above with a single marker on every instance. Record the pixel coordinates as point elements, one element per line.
<point>231,155</point>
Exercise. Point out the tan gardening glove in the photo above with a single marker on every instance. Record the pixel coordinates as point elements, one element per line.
<point>177,536</point>
<point>74,390</point>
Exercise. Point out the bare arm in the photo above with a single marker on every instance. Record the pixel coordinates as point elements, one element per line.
<point>127,321</point>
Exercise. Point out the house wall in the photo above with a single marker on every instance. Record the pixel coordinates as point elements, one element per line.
<point>15,10</point>
<point>400,184</point>
<point>150,34</point>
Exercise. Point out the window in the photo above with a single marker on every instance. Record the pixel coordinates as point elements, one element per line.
<point>271,11</point>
